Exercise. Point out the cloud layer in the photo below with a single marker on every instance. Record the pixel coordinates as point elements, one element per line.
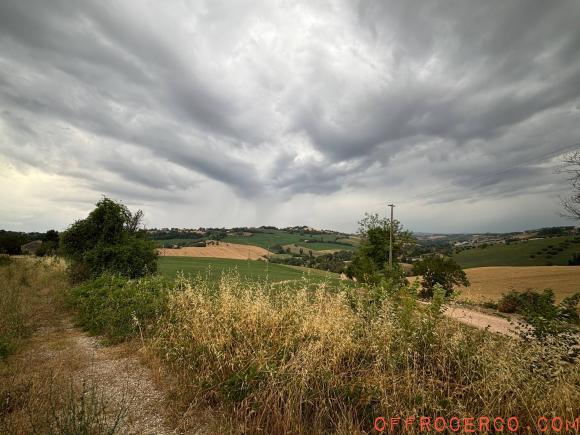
<point>257,112</point>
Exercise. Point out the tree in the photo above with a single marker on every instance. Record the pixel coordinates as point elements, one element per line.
<point>440,270</point>
<point>370,263</point>
<point>109,239</point>
<point>571,166</point>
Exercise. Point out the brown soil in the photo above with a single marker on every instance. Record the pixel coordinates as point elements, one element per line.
<point>223,250</point>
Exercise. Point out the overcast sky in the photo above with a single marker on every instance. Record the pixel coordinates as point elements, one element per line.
<point>234,113</point>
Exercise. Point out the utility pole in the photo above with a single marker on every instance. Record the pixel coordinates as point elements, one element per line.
<point>391,239</point>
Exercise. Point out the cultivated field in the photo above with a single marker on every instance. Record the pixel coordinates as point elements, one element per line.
<point>223,250</point>
<point>491,282</point>
<point>269,238</point>
<point>213,268</point>
<point>544,252</point>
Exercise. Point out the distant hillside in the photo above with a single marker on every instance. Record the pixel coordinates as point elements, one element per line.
<point>270,238</point>
<point>539,252</point>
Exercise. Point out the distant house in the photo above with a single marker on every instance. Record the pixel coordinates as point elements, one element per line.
<point>30,248</point>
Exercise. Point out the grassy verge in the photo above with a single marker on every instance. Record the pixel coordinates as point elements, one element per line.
<point>291,358</point>
<point>40,391</point>
<point>320,362</point>
<point>24,286</point>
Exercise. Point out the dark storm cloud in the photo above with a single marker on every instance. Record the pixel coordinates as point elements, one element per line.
<point>496,66</point>
<point>155,101</point>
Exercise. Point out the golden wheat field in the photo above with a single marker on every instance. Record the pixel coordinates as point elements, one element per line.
<point>491,282</point>
<point>223,250</point>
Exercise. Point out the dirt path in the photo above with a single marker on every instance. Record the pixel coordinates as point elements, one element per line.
<point>481,320</point>
<point>120,379</point>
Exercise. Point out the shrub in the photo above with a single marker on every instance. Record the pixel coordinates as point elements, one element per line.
<point>108,240</point>
<point>574,260</point>
<point>441,271</point>
<point>544,318</point>
<point>509,302</point>
<point>117,307</point>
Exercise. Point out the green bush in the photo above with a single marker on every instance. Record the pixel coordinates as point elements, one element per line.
<point>543,316</point>
<point>117,307</point>
<point>108,240</point>
<point>5,260</point>
<point>442,271</point>
<point>509,302</point>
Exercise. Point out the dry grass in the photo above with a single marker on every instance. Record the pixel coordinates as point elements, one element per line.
<point>223,250</point>
<point>491,282</point>
<point>276,359</point>
<point>38,393</point>
<point>295,361</point>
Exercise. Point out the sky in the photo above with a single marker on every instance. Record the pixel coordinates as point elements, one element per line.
<point>241,113</point>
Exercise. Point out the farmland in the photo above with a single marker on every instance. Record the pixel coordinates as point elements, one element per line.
<point>543,252</point>
<point>221,250</point>
<point>268,238</point>
<point>213,268</point>
<point>489,283</point>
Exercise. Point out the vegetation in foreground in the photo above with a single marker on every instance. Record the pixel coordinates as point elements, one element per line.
<point>302,360</point>
<point>300,356</point>
<point>38,393</point>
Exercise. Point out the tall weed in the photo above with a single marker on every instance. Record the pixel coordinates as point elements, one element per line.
<point>305,361</point>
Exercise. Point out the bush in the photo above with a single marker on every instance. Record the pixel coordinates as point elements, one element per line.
<point>509,302</point>
<point>543,316</point>
<point>108,240</point>
<point>574,260</point>
<point>442,271</point>
<point>117,307</point>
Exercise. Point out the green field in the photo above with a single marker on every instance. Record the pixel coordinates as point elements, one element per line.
<point>553,251</point>
<point>276,237</point>
<point>317,246</point>
<point>181,242</point>
<point>253,270</point>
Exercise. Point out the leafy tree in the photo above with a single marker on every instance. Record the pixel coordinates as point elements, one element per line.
<point>51,236</point>
<point>110,239</point>
<point>442,271</point>
<point>10,242</point>
<point>370,263</point>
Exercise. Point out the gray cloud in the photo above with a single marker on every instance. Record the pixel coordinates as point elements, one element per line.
<point>245,103</point>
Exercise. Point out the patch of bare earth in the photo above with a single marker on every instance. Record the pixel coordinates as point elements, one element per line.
<point>481,320</point>
<point>58,362</point>
<point>121,381</point>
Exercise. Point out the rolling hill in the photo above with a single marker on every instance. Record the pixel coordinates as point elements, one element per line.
<point>539,252</point>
